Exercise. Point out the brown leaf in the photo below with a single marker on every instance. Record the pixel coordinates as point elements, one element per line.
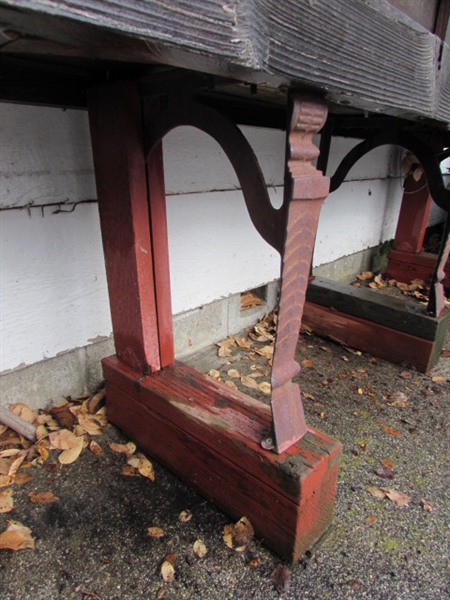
<point>42,497</point>
<point>16,537</point>
<point>446,352</point>
<point>243,343</point>
<point>155,532</point>
<point>129,471</point>
<point>427,506</point>
<point>372,519</point>
<point>214,373</point>
<point>388,429</point>
<point>250,300</point>
<point>21,478</point>
<point>200,548</point>
<point>95,448</point>
<point>376,492</point>
<point>145,467</point>
<point>307,364</point>
<point>185,516</point>
<point>231,384</point>
<point>266,351</point>
<point>128,448</point>
<point>96,402</point>
<point>387,464</point>
<point>365,275</point>
<point>6,501</point>
<point>281,579</point>
<point>64,416</point>
<point>397,497</point>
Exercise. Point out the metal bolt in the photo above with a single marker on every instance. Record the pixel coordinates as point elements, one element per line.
<point>267,443</point>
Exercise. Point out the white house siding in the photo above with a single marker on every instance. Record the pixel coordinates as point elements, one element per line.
<point>53,285</point>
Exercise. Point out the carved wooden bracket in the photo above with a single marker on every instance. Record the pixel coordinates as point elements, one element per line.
<point>305,190</point>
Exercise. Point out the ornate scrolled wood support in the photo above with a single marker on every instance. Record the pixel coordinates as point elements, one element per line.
<point>305,190</point>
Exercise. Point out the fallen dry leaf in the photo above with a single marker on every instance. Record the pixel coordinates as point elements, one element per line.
<point>63,440</point>
<point>446,352</point>
<point>200,548</point>
<point>16,537</point>
<point>427,506</point>
<point>265,388</point>
<point>372,519</point>
<point>234,374</point>
<point>70,455</point>
<point>231,384</point>
<point>128,448</point>
<point>214,373</point>
<point>250,300</point>
<point>129,471</point>
<point>376,492</point>
<point>155,532</point>
<point>64,416</point>
<point>388,429</point>
<point>243,343</point>
<point>386,463</point>
<point>42,497</point>
<point>95,448</point>
<point>399,498</point>
<point>6,501</point>
<point>249,382</point>
<point>24,412</point>
<point>239,535</point>
<point>6,480</point>
<point>167,571</point>
<point>185,516</point>
<point>21,478</point>
<point>307,364</point>
<point>145,468</point>
<point>89,424</point>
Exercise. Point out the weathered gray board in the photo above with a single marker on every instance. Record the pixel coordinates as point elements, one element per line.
<point>396,313</point>
<point>362,53</point>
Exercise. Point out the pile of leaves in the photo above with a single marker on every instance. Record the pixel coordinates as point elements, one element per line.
<point>415,289</point>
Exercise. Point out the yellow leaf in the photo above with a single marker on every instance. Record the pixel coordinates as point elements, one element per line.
<point>265,388</point>
<point>71,454</point>
<point>128,448</point>
<point>167,571</point>
<point>24,412</point>
<point>145,468</point>
<point>6,501</point>
<point>63,440</point>
<point>200,548</point>
<point>89,424</point>
<point>234,373</point>
<point>16,537</point>
<point>249,382</point>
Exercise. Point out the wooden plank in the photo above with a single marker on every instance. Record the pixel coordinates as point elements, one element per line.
<point>331,46</point>
<point>398,314</point>
<point>119,162</point>
<point>405,266</point>
<point>375,339</point>
<point>207,441</point>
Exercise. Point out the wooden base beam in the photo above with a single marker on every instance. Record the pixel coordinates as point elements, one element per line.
<point>406,266</point>
<point>210,436</point>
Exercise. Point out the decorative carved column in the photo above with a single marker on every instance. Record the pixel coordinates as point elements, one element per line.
<point>305,190</point>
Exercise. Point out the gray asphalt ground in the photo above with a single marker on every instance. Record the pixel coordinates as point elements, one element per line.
<point>93,543</point>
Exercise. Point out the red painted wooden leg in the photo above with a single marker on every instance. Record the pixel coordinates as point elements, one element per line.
<point>116,132</point>
<point>306,189</point>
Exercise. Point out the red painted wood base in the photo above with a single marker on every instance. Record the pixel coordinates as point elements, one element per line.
<point>406,266</point>
<point>210,436</point>
<point>378,340</point>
